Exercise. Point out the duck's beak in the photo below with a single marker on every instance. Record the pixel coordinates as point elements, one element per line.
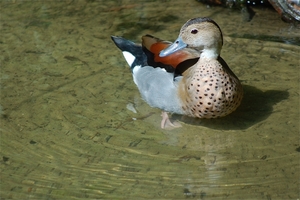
<point>176,46</point>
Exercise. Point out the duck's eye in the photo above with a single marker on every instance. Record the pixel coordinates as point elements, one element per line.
<point>194,31</point>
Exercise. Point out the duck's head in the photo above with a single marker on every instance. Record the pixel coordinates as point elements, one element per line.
<point>202,34</point>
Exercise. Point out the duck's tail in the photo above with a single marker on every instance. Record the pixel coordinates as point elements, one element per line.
<point>132,52</point>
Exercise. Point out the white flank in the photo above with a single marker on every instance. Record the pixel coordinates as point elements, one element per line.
<point>134,71</point>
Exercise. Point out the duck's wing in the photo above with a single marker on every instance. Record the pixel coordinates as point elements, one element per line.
<point>177,62</point>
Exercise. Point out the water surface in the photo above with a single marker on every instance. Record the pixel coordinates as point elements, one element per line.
<point>67,132</point>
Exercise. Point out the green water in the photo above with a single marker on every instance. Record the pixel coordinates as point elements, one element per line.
<point>67,132</point>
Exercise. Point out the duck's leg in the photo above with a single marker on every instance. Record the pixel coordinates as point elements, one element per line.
<point>166,123</point>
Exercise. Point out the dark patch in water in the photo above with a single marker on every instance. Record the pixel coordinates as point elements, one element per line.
<point>285,40</point>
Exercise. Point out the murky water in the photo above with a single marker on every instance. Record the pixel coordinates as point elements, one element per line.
<point>67,132</point>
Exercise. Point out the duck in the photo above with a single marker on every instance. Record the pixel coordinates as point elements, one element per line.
<point>185,77</point>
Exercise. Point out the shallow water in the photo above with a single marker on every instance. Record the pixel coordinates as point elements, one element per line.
<point>67,132</point>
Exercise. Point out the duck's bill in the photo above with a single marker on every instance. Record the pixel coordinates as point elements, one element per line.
<point>176,46</point>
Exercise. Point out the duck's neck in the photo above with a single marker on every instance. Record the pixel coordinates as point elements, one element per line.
<point>210,53</point>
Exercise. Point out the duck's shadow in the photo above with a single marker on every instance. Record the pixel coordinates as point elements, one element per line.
<point>255,107</point>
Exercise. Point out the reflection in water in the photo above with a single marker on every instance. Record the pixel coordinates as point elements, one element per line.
<point>66,131</point>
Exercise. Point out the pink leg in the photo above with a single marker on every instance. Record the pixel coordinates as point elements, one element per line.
<point>166,123</point>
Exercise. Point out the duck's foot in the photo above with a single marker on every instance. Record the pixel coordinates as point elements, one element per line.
<point>166,123</point>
